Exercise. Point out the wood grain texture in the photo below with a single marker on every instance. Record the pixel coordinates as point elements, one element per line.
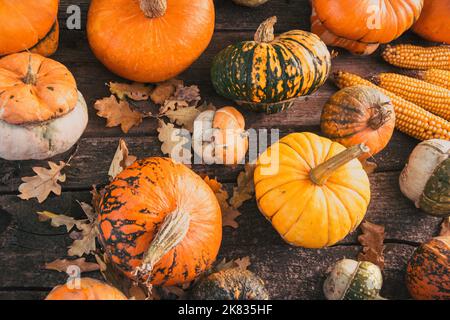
<point>290,273</point>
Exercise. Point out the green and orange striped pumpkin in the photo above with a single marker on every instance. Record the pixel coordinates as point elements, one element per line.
<point>267,74</point>
<point>160,223</point>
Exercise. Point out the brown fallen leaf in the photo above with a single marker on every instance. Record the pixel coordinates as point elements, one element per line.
<point>190,94</point>
<point>174,142</point>
<point>86,244</point>
<point>242,263</point>
<point>372,240</point>
<point>118,113</point>
<point>229,214</point>
<point>184,117</point>
<point>121,160</point>
<point>445,227</point>
<point>43,183</point>
<point>135,91</point>
<point>165,90</point>
<point>96,198</point>
<point>245,188</point>
<point>61,265</point>
<point>176,291</point>
<point>57,220</point>
<point>171,105</point>
<point>88,210</point>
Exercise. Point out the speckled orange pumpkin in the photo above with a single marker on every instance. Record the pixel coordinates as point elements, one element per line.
<point>160,223</point>
<point>89,289</point>
<point>428,271</point>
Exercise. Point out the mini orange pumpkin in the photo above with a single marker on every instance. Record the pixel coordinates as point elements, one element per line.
<point>359,114</point>
<point>149,40</point>
<point>433,23</point>
<point>220,137</point>
<point>89,289</point>
<point>160,223</point>
<point>428,271</point>
<point>29,25</point>
<point>313,190</point>
<point>361,28</point>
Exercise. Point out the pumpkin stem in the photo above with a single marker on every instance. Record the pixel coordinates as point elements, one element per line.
<point>171,233</point>
<point>30,77</point>
<point>320,174</point>
<point>153,8</point>
<point>265,32</point>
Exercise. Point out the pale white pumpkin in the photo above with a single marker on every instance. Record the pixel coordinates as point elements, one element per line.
<point>424,180</point>
<point>46,139</point>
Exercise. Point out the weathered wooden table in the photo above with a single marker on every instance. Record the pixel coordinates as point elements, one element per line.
<point>290,273</point>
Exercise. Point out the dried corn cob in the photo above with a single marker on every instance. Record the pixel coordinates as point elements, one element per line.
<point>409,118</point>
<point>435,76</point>
<point>415,57</point>
<point>426,95</point>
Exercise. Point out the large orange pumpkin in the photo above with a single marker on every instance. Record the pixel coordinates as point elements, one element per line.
<point>428,271</point>
<point>28,25</point>
<point>361,27</point>
<point>359,114</point>
<point>434,21</point>
<point>89,289</point>
<point>313,190</point>
<point>149,40</point>
<point>160,222</point>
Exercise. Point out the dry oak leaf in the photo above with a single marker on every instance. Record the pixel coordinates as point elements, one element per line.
<point>165,90</point>
<point>88,210</point>
<point>372,239</point>
<point>117,113</point>
<point>184,116</point>
<point>245,188</point>
<point>43,183</point>
<point>171,105</point>
<point>57,220</point>
<point>96,198</point>
<point>445,227</point>
<point>242,263</point>
<point>229,214</point>
<point>135,91</point>
<point>86,244</point>
<point>61,265</point>
<point>190,94</point>
<point>121,160</point>
<point>174,142</point>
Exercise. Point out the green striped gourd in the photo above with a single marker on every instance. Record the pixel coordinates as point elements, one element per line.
<point>267,74</point>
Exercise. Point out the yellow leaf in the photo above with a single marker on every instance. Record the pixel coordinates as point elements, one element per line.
<point>245,187</point>
<point>43,183</point>
<point>117,113</point>
<point>121,160</point>
<point>135,91</point>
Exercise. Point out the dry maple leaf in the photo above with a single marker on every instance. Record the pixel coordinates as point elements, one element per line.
<point>117,113</point>
<point>184,117</point>
<point>174,142</point>
<point>445,227</point>
<point>372,239</point>
<point>245,188</point>
<point>229,214</point>
<point>165,90</point>
<point>135,91</point>
<point>61,265</point>
<point>43,183</point>
<point>121,160</point>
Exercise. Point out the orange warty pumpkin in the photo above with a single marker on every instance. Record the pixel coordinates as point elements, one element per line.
<point>434,23</point>
<point>89,289</point>
<point>149,40</point>
<point>428,271</point>
<point>160,223</point>
<point>361,27</point>
<point>28,25</point>
<point>359,114</point>
<point>313,190</point>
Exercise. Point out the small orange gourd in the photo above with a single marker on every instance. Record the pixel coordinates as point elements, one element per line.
<point>313,190</point>
<point>29,25</point>
<point>85,289</point>
<point>149,40</point>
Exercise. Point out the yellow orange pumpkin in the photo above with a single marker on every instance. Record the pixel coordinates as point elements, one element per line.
<point>434,23</point>
<point>85,289</point>
<point>313,190</point>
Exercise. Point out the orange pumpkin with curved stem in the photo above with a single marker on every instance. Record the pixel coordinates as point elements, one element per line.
<point>149,40</point>
<point>160,223</point>
<point>89,289</point>
<point>29,25</point>
<point>434,23</point>
<point>363,27</point>
<point>313,190</point>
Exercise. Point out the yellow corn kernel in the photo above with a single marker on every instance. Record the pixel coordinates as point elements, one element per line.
<point>409,117</point>
<point>435,76</point>
<point>416,57</point>
<point>426,95</point>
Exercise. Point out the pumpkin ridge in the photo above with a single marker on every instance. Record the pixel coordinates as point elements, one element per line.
<point>353,221</point>
<point>287,144</point>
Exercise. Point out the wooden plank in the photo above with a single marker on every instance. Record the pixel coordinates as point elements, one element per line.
<point>17,294</point>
